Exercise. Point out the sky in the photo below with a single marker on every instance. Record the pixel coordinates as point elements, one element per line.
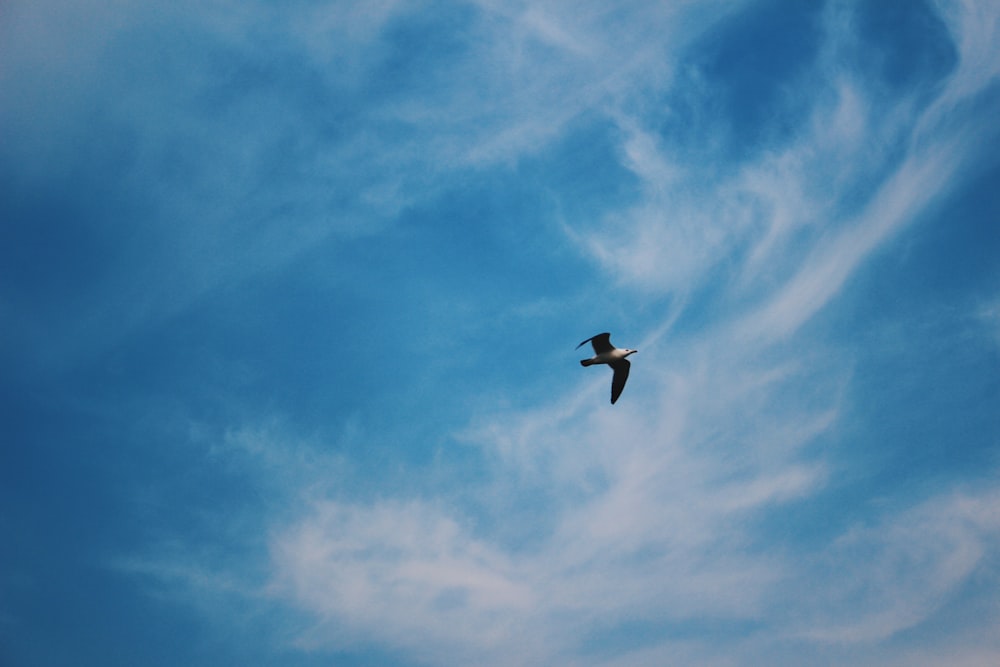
<point>289,297</point>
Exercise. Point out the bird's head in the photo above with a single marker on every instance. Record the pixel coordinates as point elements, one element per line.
<point>628,352</point>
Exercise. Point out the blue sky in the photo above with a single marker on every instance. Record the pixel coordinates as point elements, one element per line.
<point>290,294</point>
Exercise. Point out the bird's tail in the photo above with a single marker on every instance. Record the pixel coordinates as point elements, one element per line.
<point>587,362</point>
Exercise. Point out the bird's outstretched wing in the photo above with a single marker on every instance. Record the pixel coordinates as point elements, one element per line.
<point>621,367</point>
<point>601,343</point>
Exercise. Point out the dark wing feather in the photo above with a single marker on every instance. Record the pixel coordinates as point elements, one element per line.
<point>601,343</point>
<point>621,367</point>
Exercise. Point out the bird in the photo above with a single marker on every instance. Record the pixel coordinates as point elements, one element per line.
<point>606,353</point>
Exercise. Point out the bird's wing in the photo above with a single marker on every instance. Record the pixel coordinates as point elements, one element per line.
<point>601,343</point>
<point>621,367</point>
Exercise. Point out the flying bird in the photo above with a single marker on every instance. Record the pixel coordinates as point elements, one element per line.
<point>606,353</point>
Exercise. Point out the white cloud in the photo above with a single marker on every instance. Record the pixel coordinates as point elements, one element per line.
<point>975,30</point>
<point>637,515</point>
<point>411,575</point>
<point>647,513</point>
<point>405,573</point>
<point>876,580</point>
<point>824,271</point>
<point>588,519</point>
<point>804,190</point>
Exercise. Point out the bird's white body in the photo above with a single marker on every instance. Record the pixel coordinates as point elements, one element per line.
<point>608,357</point>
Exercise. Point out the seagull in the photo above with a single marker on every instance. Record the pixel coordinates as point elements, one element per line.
<point>606,353</point>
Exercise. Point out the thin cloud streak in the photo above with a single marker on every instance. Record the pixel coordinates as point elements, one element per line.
<point>916,184</point>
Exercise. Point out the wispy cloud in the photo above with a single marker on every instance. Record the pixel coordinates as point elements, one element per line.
<point>567,522</point>
<point>652,528</point>
<point>814,206</point>
<point>403,572</point>
<point>652,510</point>
<point>896,574</point>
